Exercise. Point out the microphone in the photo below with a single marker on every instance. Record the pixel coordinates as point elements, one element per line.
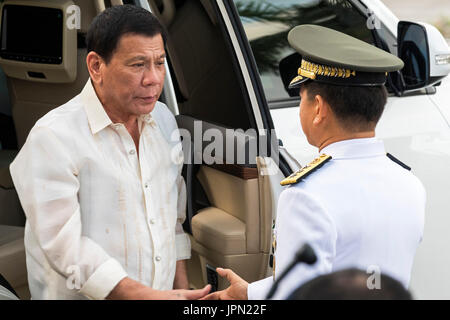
<point>305,254</point>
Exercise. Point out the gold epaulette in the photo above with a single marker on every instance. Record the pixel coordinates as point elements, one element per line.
<point>306,170</point>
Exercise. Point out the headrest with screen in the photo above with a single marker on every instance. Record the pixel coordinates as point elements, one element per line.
<point>36,41</point>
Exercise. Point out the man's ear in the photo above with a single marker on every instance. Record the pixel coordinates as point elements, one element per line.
<point>321,110</point>
<point>95,64</point>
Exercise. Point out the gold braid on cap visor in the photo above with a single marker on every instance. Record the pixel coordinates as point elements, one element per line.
<point>311,70</point>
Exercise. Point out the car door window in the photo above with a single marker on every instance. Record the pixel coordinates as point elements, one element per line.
<point>267,23</point>
<point>203,67</point>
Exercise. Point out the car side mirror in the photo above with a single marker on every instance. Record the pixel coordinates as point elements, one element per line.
<point>425,53</point>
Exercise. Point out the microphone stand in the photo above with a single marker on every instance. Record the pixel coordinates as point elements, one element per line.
<point>305,254</point>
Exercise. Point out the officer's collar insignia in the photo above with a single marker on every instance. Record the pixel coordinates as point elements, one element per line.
<point>306,170</point>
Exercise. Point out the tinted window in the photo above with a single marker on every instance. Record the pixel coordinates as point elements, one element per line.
<point>267,24</point>
<point>208,80</point>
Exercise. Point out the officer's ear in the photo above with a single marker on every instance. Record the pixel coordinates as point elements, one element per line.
<point>321,110</point>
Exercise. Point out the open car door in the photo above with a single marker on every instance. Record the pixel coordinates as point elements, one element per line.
<point>232,163</point>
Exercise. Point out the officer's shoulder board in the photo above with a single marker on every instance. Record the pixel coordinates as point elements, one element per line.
<point>390,156</point>
<point>306,170</point>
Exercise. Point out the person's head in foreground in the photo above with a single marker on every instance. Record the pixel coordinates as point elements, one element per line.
<point>351,284</point>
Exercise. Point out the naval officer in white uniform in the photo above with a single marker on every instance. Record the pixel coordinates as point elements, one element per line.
<point>356,205</point>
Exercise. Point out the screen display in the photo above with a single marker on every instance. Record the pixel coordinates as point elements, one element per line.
<point>32,34</point>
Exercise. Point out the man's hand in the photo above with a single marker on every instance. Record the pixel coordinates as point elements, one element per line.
<point>236,291</point>
<point>182,294</point>
<point>129,289</point>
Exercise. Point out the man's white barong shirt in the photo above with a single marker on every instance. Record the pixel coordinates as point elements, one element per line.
<point>97,210</point>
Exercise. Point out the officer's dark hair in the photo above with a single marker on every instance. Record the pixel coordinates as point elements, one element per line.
<point>356,108</point>
<point>350,284</point>
<point>109,26</point>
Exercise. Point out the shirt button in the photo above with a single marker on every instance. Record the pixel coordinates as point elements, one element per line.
<point>132,152</point>
<point>152,221</point>
<point>158,258</point>
<point>146,185</point>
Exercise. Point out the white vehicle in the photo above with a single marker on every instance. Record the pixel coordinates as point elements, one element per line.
<point>228,67</point>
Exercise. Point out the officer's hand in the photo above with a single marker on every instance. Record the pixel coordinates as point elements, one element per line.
<point>236,291</point>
